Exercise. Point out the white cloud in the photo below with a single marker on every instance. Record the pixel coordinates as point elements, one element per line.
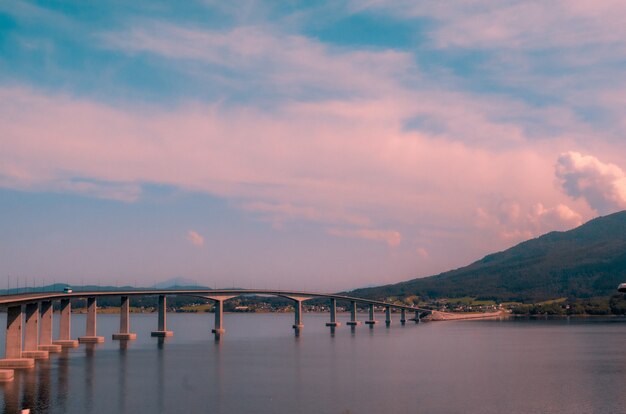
<point>195,238</point>
<point>513,221</point>
<point>601,185</point>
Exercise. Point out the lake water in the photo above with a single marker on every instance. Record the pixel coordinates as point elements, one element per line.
<point>514,366</point>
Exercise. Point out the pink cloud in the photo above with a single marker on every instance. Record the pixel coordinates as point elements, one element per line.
<point>349,163</point>
<point>391,237</point>
<point>195,238</point>
<point>278,213</point>
<point>514,222</point>
<point>422,253</point>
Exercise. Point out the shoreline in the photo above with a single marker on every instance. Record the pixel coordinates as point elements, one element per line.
<point>438,316</point>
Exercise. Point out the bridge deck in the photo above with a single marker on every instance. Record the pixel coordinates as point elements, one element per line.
<point>25,298</point>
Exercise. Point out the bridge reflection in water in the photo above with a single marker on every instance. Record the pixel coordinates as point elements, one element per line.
<point>29,335</point>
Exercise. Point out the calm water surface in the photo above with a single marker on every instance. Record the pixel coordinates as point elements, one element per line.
<point>515,366</point>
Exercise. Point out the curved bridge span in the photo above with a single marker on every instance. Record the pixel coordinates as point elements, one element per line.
<point>33,312</point>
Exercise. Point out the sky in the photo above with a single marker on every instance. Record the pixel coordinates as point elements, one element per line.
<point>318,145</point>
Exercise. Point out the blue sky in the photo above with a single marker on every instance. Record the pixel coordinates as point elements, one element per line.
<point>315,145</point>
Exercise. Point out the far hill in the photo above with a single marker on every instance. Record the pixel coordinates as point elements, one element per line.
<point>587,261</point>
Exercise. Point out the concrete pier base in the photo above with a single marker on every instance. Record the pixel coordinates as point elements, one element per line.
<point>161,334</point>
<point>353,323</point>
<point>220,331</point>
<point>66,343</point>
<point>90,339</point>
<point>35,354</point>
<point>17,363</point>
<point>7,375</point>
<point>51,348</point>
<point>124,336</point>
<point>371,322</point>
<point>297,326</point>
<point>333,324</point>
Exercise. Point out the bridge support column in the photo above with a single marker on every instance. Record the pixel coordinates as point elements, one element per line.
<point>353,321</point>
<point>65,326</point>
<point>403,316</point>
<point>371,322</point>
<point>45,328</point>
<point>13,342</point>
<point>388,316</point>
<point>218,329</point>
<point>162,331</point>
<point>416,319</point>
<point>297,325</point>
<point>124,334</point>
<point>90,330</point>
<point>333,314</point>
<point>31,333</point>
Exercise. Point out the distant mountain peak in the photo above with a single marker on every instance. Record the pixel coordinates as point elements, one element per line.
<point>177,282</point>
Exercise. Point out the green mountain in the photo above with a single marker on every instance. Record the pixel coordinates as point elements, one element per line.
<point>587,261</point>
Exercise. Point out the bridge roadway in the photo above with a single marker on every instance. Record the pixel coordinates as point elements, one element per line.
<point>33,311</point>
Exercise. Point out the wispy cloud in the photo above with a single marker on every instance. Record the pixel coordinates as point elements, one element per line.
<point>266,59</point>
<point>391,237</point>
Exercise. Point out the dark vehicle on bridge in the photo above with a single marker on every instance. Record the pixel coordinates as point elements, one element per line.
<point>67,289</point>
<point>622,287</point>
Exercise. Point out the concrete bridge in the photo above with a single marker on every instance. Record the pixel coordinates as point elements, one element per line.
<point>29,318</point>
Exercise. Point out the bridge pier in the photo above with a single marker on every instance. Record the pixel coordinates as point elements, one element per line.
<point>65,326</point>
<point>124,334</point>
<point>298,325</point>
<point>162,331</point>
<point>45,328</point>
<point>218,308</point>
<point>333,314</point>
<point>387,316</point>
<point>371,322</point>
<point>353,321</point>
<point>218,328</point>
<point>90,329</point>
<point>13,358</point>
<point>31,333</point>
<point>403,316</point>
<point>416,319</point>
